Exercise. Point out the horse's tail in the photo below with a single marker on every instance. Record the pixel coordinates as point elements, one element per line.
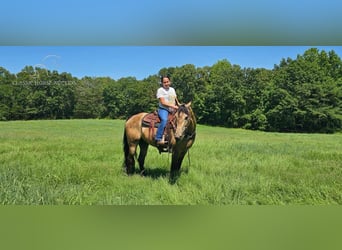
<point>125,148</point>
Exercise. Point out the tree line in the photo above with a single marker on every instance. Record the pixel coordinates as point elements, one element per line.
<point>298,95</point>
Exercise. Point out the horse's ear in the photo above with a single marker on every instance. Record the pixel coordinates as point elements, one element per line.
<point>188,104</point>
<point>177,102</point>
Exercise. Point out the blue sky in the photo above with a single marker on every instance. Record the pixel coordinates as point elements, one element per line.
<point>166,22</point>
<point>142,61</point>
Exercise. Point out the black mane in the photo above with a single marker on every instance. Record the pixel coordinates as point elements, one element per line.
<point>184,109</point>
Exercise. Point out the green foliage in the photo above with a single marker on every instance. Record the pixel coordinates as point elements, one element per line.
<point>255,121</point>
<point>313,100</point>
<point>299,95</point>
<point>36,93</point>
<point>129,96</point>
<point>89,97</point>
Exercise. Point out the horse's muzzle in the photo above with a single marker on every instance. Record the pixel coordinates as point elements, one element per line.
<point>178,138</point>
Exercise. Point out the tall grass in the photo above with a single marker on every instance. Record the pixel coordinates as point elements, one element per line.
<point>80,162</point>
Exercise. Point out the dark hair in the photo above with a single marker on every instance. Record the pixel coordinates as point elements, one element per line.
<point>164,76</point>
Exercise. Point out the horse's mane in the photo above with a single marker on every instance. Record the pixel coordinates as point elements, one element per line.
<point>184,109</point>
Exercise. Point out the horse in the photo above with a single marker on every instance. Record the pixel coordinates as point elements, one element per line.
<point>181,136</point>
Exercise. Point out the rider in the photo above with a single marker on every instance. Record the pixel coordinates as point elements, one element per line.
<point>167,103</point>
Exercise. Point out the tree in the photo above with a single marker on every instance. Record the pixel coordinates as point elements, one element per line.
<point>184,80</point>
<point>6,92</point>
<point>226,81</point>
<point>300,95</point>
<point>312,81</point>
<point>89,97</point>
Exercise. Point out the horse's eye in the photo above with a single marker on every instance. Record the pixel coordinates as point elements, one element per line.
<point>186,117</point>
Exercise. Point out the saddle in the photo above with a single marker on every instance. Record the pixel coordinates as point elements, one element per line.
<point>151,120</point>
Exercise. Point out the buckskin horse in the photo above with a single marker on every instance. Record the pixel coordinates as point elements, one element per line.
<point>181,133</point>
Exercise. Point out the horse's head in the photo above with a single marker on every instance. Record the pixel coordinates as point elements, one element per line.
<point>183,120</point>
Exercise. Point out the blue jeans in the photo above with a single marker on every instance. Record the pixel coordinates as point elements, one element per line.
<point>163,115</point>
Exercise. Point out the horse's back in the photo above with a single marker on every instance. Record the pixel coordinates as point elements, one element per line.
<point>133,126</point>
<point>134,122</point>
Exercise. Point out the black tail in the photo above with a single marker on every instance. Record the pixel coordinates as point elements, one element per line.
<point>125,148</point>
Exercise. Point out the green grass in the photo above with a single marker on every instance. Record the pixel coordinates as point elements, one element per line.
<point>80,162</point>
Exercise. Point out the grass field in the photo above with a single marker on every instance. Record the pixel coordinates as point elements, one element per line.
<point>80,162</point>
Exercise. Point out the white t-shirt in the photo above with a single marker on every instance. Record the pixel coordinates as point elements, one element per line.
<point>168,94</point>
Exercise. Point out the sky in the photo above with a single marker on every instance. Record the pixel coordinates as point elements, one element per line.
<point>142,61</point>
<point>166,22</point>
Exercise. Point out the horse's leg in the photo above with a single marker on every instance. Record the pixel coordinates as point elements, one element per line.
<point>129,152</point>
<point>177,159</point>
<point>143,151</point>
<point>129,159</point>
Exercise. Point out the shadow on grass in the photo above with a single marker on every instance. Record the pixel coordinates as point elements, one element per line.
<point>156,173</point>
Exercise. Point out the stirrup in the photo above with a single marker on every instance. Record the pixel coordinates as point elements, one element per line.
<point>164,149</point>
<point>162,143</point>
